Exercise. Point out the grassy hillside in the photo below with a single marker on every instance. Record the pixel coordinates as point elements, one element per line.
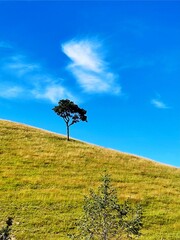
<point>43,179</point>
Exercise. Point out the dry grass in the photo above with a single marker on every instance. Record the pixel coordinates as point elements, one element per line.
<point>43,179</point>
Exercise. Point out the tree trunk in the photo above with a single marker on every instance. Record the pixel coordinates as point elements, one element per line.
<point>67,128</point>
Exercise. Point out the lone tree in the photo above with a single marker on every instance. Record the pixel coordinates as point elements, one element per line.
<point>70,112</point>
<point>105,219</point>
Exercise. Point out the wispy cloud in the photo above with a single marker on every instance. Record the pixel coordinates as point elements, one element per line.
<point>10,91</point>
<point>23,78</point>
<point>158,104</point>
<point>53,92</point>
<point>89,67</point>
<point>20,65</point>
<point>84,54</point>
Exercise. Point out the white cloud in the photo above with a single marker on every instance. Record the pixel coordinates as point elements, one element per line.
<point>159,104</point>
<point>22,68</point>
<point>22,78</point>
<point>10,91</point>
<point>53,93</point>
<point>19,65</point>
<point>92,82</point>
<point>84,54</point>
<point>89,68</point>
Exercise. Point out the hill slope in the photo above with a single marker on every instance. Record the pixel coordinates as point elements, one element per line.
<point>43,179</point>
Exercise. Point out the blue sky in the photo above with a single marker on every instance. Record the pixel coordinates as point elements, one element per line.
<point>119,60</point>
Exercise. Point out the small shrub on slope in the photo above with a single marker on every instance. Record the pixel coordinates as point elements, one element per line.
<point>105,219</point>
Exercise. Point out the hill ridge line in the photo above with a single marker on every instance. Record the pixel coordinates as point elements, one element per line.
<point>92,144</point>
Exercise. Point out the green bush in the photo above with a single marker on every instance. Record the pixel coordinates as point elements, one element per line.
<point>106,219</point>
